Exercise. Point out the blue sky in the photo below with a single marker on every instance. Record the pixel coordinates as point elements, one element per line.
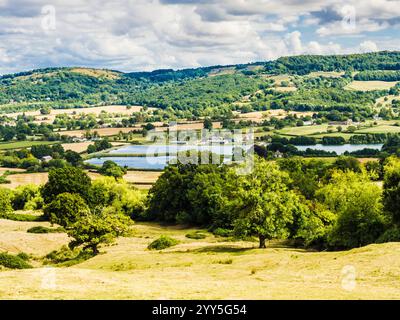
<point>134,35</point>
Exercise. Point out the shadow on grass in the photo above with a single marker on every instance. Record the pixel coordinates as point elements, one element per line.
<point>220,249</point>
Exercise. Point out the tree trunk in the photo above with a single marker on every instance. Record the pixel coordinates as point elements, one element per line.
<point>95,250</point>
<point>262,242</point>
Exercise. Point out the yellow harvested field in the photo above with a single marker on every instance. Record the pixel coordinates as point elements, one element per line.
<point>260,116</point>
<point>389,99</point>
<point>256,116</point>
<point>222,71</point>
<point>36,178</point>
<point>98,73</point>
<point>327,74</point>
<point>20,179</point>
<point>101,131</point>
<point>142,177</point>
<point>279,78</point>
<point>285,89</point>
<point>191,126</point>
<point>15,239</point>
<point>49,118</point>
<point>4,169</point>
<point>210,268</point>
<point>370,85</point>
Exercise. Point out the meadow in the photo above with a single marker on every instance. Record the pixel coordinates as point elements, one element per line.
<point>210,268</point>
<point>370,85</point>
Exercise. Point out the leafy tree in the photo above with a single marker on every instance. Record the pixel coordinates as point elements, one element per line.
<point>347,163</point>
<point>207,124</point>
<point>66,209</point>
<point>74,158</point>
<point>266,204</point>
<point>99,145</point>
<point>27,197</point>
<point>92,230</point>
<point>190,193</point>
<point>111,169</point>
<point>5,201</point>
<point>69,179</point>
<point>357,202</point>
<point>391,190</point>
<point>126,199</point>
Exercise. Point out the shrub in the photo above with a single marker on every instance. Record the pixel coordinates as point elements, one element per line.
<point>94,229</point>
<point>13,262</point>
<point>162,242</point>
<point>125,198</point>
<point>27,197</point>
<point>66,180</point>
<point>24,256</point>
<point>40,229</point>
<point>67,257</point>
<point>22,217</point>
<point>221,232</point>
<point>66,209</point>
<point>196,235</point>
<point>390,235</point>
<point>5,201</point>
<point>357,202</point>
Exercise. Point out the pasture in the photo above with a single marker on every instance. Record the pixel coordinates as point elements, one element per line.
<point>22,144</point>
<point>380,129</point>
<point>140,179</point>
<point>211,268</point>
<point>305,130</point>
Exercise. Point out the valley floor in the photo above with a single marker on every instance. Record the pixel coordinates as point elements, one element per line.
<point>211,268</point>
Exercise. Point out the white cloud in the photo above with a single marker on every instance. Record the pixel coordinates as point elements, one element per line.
<point>368,46</point>
<point>147,34</point>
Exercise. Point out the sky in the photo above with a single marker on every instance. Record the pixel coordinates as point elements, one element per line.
<point>143,35</point>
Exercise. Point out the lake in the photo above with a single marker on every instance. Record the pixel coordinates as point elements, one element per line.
<point>154,149</point>
<point>155,163</point>
<point>341,149</point>
<point>159,162</point>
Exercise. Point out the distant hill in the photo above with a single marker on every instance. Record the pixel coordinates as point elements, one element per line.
<point>186,89</point>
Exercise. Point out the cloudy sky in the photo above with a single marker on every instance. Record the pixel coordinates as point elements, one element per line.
<point>134,35</point>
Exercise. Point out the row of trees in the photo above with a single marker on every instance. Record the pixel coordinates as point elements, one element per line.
<point>327,206</point>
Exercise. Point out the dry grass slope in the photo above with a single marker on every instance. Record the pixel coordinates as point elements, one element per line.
<point>204,269</point>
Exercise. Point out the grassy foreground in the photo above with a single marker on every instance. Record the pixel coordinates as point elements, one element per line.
<point>210,268</point>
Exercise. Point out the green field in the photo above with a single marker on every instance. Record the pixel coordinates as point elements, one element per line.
<point>306,130</point>
<point>380,129</point>
<point>22,144</point>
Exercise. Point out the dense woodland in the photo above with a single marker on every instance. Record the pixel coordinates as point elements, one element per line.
<point>205,90</point>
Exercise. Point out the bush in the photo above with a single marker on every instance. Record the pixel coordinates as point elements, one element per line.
<point>13,262</point>
<point>27,197</point>
<point>24,256</point>
<point>66,209</point>
<point>196,235</point>
<point>22,217</point>
<point>221,232</point>
<point>95,229</point>
<point>390,235</point>
<point>40,229</point>
<point>67,257</point>
<point>162,242</point>
<point>5,201</point>
<point>125,198</point>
